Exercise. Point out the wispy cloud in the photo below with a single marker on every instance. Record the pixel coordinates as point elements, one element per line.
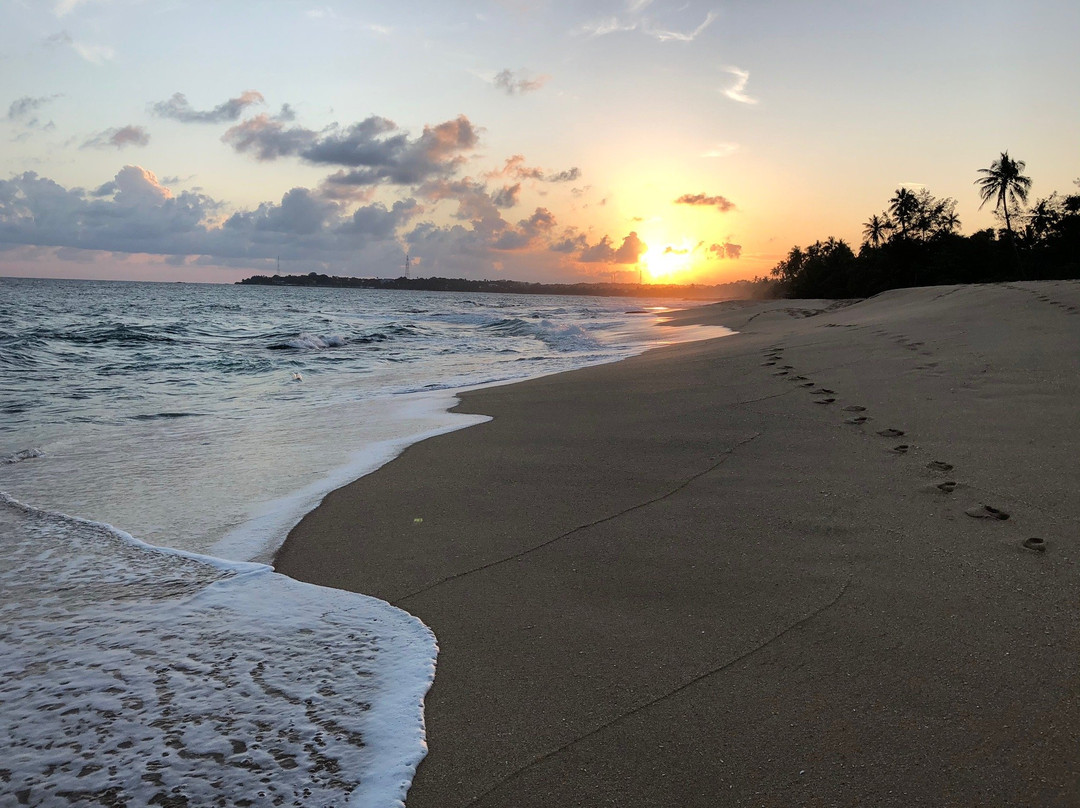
<point>95,54</point>
<point>517,82</point>
<point>722,204</point>
<point>665,35</point>
<point>24,111</point>
<point>635,18</point>
<point>721,150</point>
<point>118,138</point>
<point>515,168</point>
<point>64,7</point>
<point>328,14</point>
<point>735,90</point>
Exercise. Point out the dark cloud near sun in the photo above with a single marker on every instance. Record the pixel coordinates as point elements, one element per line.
<point>604,251</point>
<point>118,138</point>
<point>726,250</point>
<point>721,203</point>
<point>372,151</point>
<point>178,108</point>
<point>518,82</point>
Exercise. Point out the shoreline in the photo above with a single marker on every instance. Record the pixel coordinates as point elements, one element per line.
<point>681,576</point>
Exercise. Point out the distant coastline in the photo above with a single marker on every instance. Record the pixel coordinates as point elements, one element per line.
<point>723,291</point>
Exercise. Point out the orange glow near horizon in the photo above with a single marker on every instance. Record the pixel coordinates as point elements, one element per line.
<point>665,264</point>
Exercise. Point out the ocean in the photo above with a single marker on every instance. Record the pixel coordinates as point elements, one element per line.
<point>157,443</point>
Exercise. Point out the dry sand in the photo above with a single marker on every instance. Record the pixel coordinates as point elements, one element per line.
<point>698,578</point>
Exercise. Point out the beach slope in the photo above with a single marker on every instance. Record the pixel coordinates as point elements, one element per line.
<point>770,569</point>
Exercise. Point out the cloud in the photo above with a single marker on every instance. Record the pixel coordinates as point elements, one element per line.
<point>515,168</point>
<point>120,137</point>
<point>517,83</point>
<point>268,139</point>
<point>23,109</point>
<point>603,252</point>
<point>527,232</point>
<point>634,19</point>
<point>59,39</point>
<point>721,203</point>
<point>382,222</point>
<point>726,250</point>
<point>600,253</point>
<point>735,91</point>
<point>95,54</point>
<point>475,204</point>
<point>301,213</point>
<point>64,7</point>
<point>135,213</point>
<point>507,196</point>
<point>178,108</point>
<point>374,149</point>
<point>721,150</point>
<point>667,35</point>
<point>630,250</point>
<point>569,175</point>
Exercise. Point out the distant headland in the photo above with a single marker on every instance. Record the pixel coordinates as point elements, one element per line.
<point>723,291</point>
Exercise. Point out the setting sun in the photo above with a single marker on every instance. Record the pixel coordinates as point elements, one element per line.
<point>667,263</point>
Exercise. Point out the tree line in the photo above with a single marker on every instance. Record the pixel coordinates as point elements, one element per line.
<point>916,241</point>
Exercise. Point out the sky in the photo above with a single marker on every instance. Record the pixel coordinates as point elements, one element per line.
<point>536,140</point>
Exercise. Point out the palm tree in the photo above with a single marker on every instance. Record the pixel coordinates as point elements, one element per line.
<point>950,222</point>
<point>1044,216</point>
<point>875,230</point>
<point>903,206</point>
<point>1004,182</point>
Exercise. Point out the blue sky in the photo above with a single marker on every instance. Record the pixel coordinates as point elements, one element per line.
<point>531,140</point>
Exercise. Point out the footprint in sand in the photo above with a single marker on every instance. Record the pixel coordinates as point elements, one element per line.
<point>1035,544</point>
<point>938,465</point>
<point>797,379</point>
<point>986,512</point>
<point>901,449</point>
<point>858,419</point>
<point>891,433</point>
<point>766,364</point>
<point>780,373</point>
<point>948,486</point>
<point>823,391</point>
<point>807,384</point>
<point>825,401</point>
<point>787,367</point>
<point>854,408</point>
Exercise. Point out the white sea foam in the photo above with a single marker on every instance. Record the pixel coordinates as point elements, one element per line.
<point>268,523</point>
<point>133,675</point>
<point>315,341</point>
<point>23,454</point>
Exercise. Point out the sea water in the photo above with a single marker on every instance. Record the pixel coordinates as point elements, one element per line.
<point>157,442</point>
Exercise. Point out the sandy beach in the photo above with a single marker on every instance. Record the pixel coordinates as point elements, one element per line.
<point>792,566</point>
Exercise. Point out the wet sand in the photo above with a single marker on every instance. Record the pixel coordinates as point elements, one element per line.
<point>768,569</point>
